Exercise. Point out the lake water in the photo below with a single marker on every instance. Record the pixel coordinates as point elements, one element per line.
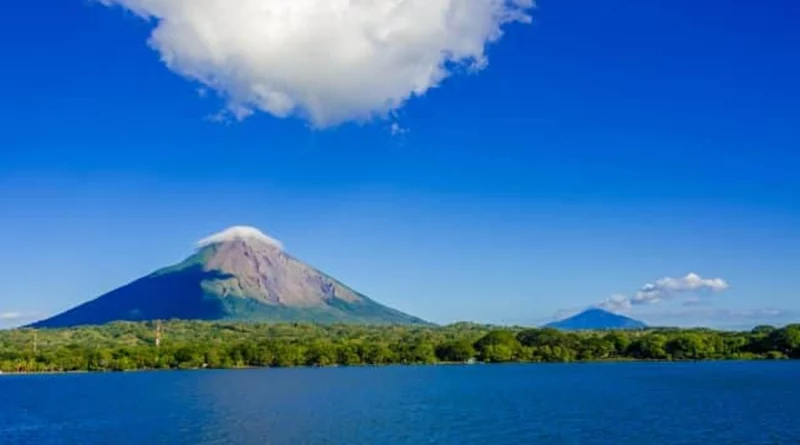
<point>627,403</point>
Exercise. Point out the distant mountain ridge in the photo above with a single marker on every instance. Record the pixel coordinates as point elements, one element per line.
<point>239,274</point>
<point>597,319</point>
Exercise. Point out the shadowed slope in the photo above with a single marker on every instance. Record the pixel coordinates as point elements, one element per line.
<point>597,319</point>
<point>154,297</point>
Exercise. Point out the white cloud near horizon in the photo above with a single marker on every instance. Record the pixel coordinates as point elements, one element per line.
<point>326,61</point>
<point>11,316</point>
<point>721,318</point>
<point>666,288</point>
<point>12,319</point>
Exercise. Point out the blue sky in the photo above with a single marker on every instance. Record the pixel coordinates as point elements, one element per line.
<point>606,145</point>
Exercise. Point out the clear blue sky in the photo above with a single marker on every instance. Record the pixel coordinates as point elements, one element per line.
<point>605,146</point>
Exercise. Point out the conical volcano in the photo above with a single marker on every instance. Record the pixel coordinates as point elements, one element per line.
<point>239,274</point>
<point>596,319</point>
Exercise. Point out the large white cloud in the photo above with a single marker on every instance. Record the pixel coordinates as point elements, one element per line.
<point>665,289</point>
<point>328,61</point>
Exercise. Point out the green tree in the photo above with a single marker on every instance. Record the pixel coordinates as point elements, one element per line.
<point>347,355</point>
<point>499,345</point>
<point>188,357</point>
<point>763,330</point>
<point>100,360</point>
<point>651,346</point>
<point>321,353</point>
<point>620,341</point>
<point>422,351</point>
<point>787,340</point>
<point>455,351</point>
<point>288,354</point>
<point>688,346</point>
<point>596,348</point>
<point>497,353</point>
<point>213,357</point>
<point>761,339</point>
<point>542,337</point>
<point>378,354</point>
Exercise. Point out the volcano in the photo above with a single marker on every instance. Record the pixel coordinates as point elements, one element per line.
<point>597,319</point>
<point>239,274</point>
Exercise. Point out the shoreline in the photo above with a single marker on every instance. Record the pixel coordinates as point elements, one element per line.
<point>454,364</point>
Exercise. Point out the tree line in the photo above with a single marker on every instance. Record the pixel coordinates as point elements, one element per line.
<point>192,345</point>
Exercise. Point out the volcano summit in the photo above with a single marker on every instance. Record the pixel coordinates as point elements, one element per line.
<point>239,274</point>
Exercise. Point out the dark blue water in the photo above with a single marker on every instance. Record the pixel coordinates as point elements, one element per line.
<point>703,403</point>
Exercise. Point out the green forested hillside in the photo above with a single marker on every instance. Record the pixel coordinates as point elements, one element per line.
<point>185,345</point>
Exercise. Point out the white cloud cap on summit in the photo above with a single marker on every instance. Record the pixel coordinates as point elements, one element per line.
<point>235,233</point>
<point>327,61</point>
<point>665,289</point>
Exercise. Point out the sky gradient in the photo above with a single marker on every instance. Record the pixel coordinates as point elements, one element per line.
<point>606,145</point>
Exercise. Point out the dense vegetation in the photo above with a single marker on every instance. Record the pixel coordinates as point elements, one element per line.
<point>186,345</point>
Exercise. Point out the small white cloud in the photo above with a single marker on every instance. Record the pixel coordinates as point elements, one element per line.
<point>667,288</point>
<point>397,130</point>
<point>617,303</point>
<point>235,233</point>
<point>327,61</point>
<point>10,319</point>
<point>11,316</point>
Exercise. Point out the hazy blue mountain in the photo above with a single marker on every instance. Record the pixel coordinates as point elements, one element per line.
<point>239,275</point>
<point>597,319</point>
